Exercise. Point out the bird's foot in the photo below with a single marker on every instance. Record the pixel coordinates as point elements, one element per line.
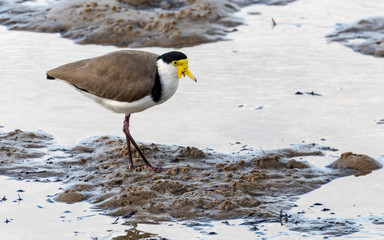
<point>131,167</point>
<point>156,169</point>
<point>149,167</point>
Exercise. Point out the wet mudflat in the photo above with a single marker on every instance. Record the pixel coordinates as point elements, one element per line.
<point>246,105</point>
<point>130,23</point>
<point>198,185</point>
<point>364,36</point>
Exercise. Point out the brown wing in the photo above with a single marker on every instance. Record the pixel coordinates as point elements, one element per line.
<point>122,75</point>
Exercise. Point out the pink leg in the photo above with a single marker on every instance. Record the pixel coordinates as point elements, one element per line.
<point>130,163</point>
<point>130,140</point>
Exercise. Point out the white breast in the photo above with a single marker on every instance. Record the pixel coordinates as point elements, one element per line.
<point>168,79</point>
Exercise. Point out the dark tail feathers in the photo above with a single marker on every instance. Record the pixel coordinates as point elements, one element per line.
<point>50,77</point>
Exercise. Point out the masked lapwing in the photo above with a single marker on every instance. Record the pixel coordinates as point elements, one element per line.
<point>127,82</point>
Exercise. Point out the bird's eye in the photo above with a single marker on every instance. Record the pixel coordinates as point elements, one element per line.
<point>174,63</point>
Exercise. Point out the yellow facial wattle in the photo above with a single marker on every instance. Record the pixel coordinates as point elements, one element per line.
<point>182,69</point>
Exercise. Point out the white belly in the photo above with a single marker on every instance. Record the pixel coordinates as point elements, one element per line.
<point>123,107</point>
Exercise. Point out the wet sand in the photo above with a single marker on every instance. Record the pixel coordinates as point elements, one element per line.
<point>365,36</point>
<point>131,23</point>
<point>199,184</point>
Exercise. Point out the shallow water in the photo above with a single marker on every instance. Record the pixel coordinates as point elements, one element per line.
<point>38,216</point>
<point>260,66</point>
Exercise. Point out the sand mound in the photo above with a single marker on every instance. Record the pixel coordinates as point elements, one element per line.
<point>365,36</point>
<point>70,196</point>
<point>359,162</point>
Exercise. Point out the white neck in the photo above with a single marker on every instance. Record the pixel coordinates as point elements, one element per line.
<point>168,79</point>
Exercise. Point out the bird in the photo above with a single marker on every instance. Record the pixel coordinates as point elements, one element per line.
<point>127,82</point>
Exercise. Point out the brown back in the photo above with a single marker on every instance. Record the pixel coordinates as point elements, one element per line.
<point>125,76</point>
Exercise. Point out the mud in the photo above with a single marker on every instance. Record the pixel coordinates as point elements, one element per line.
<point>134,234</point>
<point>199,184</point>
<point>325,226</point>
<point>133,23</point>
<point>365,36</point>
<point>70,196</point>
<point>359,162</point>
<point>320,226</point>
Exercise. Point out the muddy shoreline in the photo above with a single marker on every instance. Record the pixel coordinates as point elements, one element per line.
<point>365,36</point>
<point>131,23</point>
<point>199,184</point>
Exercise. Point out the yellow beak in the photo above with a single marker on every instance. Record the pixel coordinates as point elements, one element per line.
<point>182,69</point>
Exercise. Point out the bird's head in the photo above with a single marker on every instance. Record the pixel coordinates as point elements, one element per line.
<point>180,61</point>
